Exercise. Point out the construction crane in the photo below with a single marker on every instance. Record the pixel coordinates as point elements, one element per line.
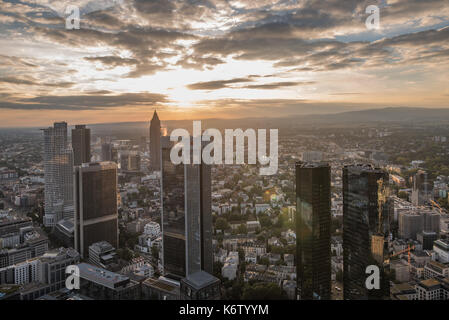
<point>408,250</point>
<point>382,197</point>
<point>378,239</point>
<point>435,204</point>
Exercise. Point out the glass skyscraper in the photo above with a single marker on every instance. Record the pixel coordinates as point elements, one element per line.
<point>365,227</point>
<point>58,171</point>
<point>96,217</point>
<point>155,143</point>
<point>186,216</point>
<point>81,145</point>
<point>313,223</point>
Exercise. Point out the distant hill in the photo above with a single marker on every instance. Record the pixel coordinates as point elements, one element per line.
<point>387,115</point>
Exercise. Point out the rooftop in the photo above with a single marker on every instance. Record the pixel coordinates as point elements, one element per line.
<point>102,276</point>
<point>200,279</point>
<point>429,283</point>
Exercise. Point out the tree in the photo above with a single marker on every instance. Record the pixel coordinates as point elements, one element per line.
<point>265,221</point>
<point>125,254</point>
<point>155,252</point>
<point>242,229</point>
<point>221,224</point>
<point>217,269</point>
<point>264,260</point>
<point>403,195</point>
<point>339,276</point>
<point>264,291</point>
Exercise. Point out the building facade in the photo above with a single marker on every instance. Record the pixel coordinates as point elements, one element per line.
<point>313,229</point>
<point>365,225</point>
<point>155,143</point>
<point>96,216</point>
<point>81,145</point>
<point>58,172</point>
<point>186,216</point>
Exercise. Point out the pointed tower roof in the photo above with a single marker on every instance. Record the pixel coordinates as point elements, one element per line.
<point>155,116</point>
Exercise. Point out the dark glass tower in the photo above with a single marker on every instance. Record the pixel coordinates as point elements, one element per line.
<point>313,229</point>
<point>96,216</point>
<point>155,143</point>
<point>186,217</point>
<point>81,145</point>
<point>365,228</point>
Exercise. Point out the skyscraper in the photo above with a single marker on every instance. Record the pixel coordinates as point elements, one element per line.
<point>313,229</point>
<point>81,145</point>
<point>129,161</point>
<point>422,190</point>
<point>186,216</point>
<point>96,217</point>
<point>58,167</point>
<point>155,143</point>
<point>108,152</point>
<point>365,225</point>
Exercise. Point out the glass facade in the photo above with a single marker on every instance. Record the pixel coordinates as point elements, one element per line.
<point>81,145</point>
<point>96,205</point>
<point>186,217</point>
<point>364,229</point>
<point>58,168</point>
<point>313,222</point>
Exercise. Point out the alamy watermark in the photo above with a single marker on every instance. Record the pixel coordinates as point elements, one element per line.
<point>212,153</point>
<point>373,20</point>
<point>73,280</point>
<point>373,280</point>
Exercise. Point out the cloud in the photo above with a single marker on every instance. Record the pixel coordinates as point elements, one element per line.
<point>33,82</point>
<point>215,85</point>
<point>112,61</point>
<point>324,41</point>
<point>85,102</point>
<point>278,85</point>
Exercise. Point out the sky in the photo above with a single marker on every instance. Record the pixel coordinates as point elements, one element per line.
<point>197,59</point>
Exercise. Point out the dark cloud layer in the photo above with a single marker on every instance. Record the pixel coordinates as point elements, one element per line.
<point>309,36</point>
<point>85,102</point>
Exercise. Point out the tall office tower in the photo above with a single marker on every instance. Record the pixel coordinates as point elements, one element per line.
<point>431,221</point>
<point>422,190</point>
<point>130,161</point>
<point>410,224</point>
<point>186,216</point>
<point>108,152</point>
<point>96,217</point>
<point>155,143</point>
<point>365,227</point>
<point>58,171</point>
<point>413,222</point>
<point>313,229</point>
<point>81,145</point>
